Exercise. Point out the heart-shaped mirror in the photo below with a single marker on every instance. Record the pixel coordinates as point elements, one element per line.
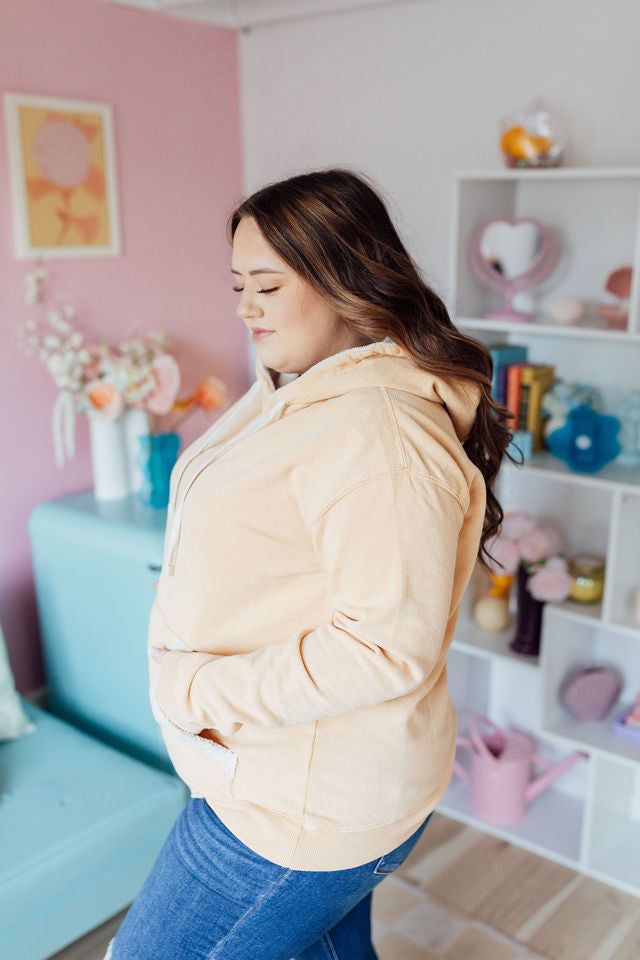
<point>512,256</point>
<point>510,248</point>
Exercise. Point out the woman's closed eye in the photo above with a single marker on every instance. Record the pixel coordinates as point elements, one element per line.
<point>266,290</point>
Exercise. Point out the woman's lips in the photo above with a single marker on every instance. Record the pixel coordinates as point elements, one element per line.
<point>259,334</point>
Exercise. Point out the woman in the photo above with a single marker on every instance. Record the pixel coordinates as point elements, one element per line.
<point>320,536</point>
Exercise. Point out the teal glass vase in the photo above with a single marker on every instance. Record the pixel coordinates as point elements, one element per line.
<point>158,455</point>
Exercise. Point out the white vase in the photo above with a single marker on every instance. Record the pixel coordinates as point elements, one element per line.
<point>135,423</point>
<point>109,458</point>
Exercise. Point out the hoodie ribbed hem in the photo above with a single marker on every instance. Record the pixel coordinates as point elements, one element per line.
<point>298,847</point>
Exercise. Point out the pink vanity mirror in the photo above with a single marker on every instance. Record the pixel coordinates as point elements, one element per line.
<point>511,256</point>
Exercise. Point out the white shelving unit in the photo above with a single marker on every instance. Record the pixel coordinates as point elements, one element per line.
<point>589,819</point>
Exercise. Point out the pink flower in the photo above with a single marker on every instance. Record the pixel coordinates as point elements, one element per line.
<point>516,523</point>
<point>539,544</point>
<point>551,582</point>
<point>167,375</point>
<point>505,552</point>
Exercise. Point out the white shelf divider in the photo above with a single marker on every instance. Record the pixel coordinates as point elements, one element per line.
<point>542,327</point>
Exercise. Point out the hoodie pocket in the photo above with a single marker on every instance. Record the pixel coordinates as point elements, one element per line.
<point>207,767</point>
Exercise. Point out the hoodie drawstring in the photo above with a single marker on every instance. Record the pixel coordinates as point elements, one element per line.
<point>216,452</point>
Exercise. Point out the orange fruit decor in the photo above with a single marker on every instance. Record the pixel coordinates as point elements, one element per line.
<point>521,145</point>
<point>501,584</point>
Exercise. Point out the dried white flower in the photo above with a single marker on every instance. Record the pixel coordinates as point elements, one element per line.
<point>57,364</point>
<point>33,286</point>
<point>58,324</point>
<point>159,337</point>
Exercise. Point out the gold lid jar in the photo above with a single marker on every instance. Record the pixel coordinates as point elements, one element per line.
<point>587,577</point>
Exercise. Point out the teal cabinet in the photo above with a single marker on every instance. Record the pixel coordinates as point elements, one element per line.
<point>95,563</point>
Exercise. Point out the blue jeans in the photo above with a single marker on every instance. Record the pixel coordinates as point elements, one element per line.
<point>210,897</point>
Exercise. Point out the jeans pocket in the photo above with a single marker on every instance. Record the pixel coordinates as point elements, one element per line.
<point>391,861</point>
<point>388,863</point>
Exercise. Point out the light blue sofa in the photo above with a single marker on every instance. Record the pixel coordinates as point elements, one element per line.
<point>80,827</point>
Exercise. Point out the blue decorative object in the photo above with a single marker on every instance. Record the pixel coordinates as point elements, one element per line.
<point>157,458</point>
<point>587,440</point>
<point>563,396</point>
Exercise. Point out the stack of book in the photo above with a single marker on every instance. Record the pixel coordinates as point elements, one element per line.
<point>519,385</point>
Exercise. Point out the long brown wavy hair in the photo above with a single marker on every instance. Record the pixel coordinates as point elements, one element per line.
<point>333,229</point>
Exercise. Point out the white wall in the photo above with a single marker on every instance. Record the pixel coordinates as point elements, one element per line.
<point>410,93</point>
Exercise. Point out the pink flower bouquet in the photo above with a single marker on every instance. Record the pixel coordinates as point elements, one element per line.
<point>539,550</point>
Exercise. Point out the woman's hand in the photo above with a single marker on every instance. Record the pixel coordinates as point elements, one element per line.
<point>171,682</point>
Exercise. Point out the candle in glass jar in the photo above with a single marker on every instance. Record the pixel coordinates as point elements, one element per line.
<point>587,577</point>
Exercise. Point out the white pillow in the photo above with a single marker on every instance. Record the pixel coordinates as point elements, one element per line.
<point>13,720</point>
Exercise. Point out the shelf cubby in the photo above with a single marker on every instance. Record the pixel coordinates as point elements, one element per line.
<point>623,609</point>
<point>613,848</point>
<point>551,828</point>
<point>568,645</point>
<point>580,513</point>
<point>570,204</point>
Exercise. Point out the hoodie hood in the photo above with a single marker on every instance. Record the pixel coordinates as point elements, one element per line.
<point>388,364</point>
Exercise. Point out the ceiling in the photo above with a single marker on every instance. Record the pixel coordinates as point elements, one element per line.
<point>244,14</point>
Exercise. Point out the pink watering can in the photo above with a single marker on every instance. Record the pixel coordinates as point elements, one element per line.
<point>500,779</point>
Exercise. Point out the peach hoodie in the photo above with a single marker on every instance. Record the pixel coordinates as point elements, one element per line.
<point>319,539</point>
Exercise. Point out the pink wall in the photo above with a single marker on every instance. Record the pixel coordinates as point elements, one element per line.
<point>173,86</point>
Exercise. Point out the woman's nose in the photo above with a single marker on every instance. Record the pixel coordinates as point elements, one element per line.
<point>248,305</point>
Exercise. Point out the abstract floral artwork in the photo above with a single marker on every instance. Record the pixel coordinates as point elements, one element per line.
<point>62,177</point>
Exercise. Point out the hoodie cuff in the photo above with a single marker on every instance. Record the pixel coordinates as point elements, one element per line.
<point>174,675</point>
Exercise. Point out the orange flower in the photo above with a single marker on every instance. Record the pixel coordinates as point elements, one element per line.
<point>104,399</point>
<point>211,393</point>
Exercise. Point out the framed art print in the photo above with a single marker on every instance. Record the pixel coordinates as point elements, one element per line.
<point>62,177</point>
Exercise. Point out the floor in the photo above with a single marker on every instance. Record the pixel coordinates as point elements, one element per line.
<point>464,895</point>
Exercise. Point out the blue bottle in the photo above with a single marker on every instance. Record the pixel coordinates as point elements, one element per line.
<point>157,459</point>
